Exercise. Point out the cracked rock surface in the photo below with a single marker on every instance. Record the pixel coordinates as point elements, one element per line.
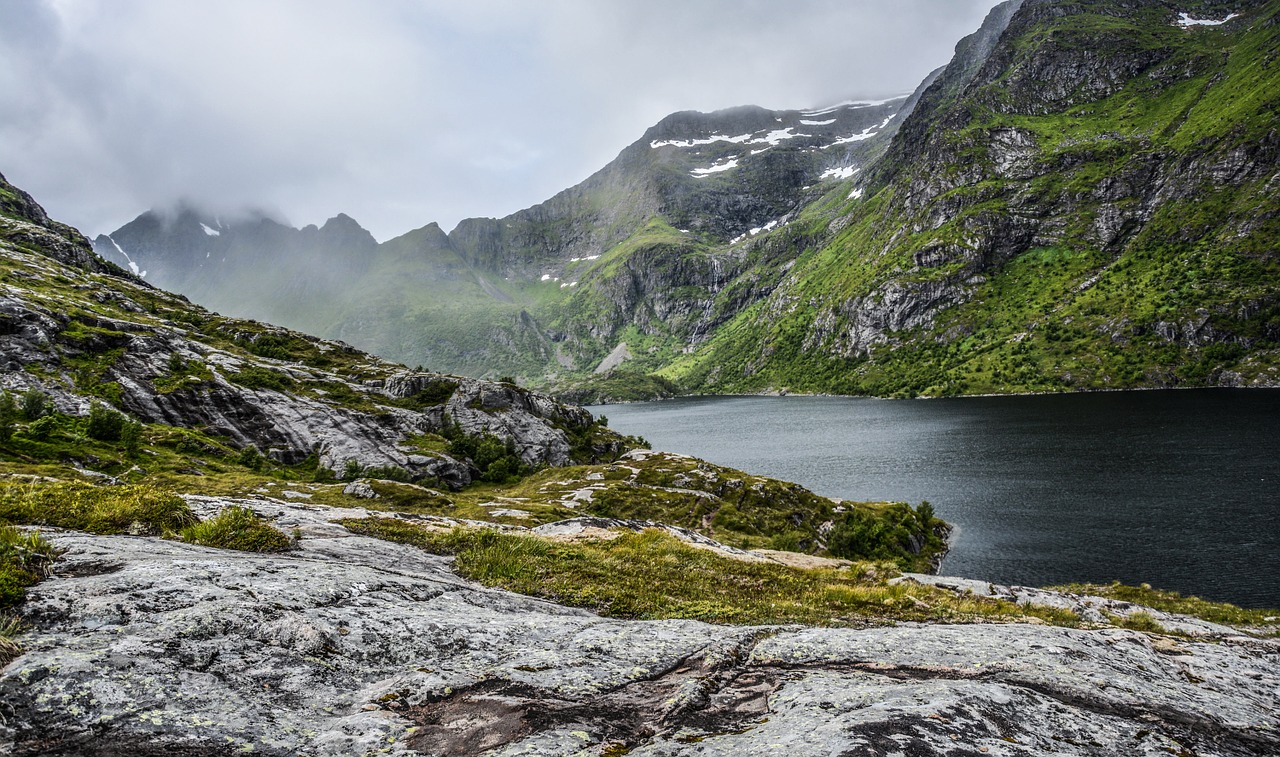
<point>350,645</point>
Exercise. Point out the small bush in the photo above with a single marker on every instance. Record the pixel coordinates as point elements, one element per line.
<point>33,404</point>
<point>42,428</point>
<point>8,414</point>
<point>9,649</point>
<point>237,528</point>
<point>498,461</point>
<point>893,531</point>
<point>433,393</point>
<point>257,377</point>
<point>251,458</point>
<point>104,424</point>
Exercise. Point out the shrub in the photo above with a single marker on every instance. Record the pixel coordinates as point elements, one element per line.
<point>104,424</point>
<point>42,428</point>
<point>498,461</point>
<point>434,392</point>
<point>251,458</point>
<point>8,414</point>
<point>33,404</point>
<point>9,649</point>
<point>237,528</point>
<point>257,377</point>
<point>890,532</point>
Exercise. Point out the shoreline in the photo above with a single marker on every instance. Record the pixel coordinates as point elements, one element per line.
<point>781,395</point>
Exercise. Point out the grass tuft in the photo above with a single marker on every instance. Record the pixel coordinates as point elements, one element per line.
<point>237,528</point>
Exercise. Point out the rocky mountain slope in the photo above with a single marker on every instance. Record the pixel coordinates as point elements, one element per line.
<point>80,330</point>
<point>189,594</point>
<point>1083,198</point>
<point>1089,204</point>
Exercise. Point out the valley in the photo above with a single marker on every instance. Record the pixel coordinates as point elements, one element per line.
<point>998,231</point>
<point>295,491</point>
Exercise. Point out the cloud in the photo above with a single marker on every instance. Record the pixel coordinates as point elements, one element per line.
<point>402,112</point>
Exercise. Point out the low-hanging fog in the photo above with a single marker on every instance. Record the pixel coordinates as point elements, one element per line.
<point>406,111</point>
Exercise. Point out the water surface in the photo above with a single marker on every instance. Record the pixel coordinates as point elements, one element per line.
<point>1174,488</point>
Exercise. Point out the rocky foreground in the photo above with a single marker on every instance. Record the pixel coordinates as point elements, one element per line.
<point>351,645</point>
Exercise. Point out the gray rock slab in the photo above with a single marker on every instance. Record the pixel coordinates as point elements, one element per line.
<point>351,646</point>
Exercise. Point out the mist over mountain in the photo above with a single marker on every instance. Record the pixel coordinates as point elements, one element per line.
<point>1078,200</point>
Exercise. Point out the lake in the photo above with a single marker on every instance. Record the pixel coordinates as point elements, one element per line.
<point>1179,489</point>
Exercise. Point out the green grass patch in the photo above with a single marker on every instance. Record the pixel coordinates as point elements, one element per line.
<point>258,377</point>
<point>237,528</point>
<point>135,509</point>
<point>652,576</point>
<point>1172,601</point>
<point>25,557</point>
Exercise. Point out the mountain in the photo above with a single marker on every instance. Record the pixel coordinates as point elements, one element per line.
<point>1087,203</point>
<point>1083,198</point>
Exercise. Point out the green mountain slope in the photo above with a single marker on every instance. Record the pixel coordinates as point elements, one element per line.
<point>1095,208</point>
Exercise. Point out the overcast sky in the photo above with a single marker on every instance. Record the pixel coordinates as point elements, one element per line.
<point>402,112</point>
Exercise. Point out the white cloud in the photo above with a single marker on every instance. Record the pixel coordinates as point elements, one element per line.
<point>399,112</point>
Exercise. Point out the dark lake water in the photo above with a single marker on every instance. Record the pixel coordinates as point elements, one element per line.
<point>1179,489</point>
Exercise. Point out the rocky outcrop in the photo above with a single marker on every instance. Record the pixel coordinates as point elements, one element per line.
<point>350,645</point>
<point>82,336</point>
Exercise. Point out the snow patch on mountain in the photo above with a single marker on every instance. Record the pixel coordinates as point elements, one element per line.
<point>695,142</point>
<point>846,172</point>
<point>866,133</point>
<point>1186,21</point>
<point>209,231</point>
<point>849,105</point>
<point>702,173</point>
<point>132,265</point>
<point>776,136</point>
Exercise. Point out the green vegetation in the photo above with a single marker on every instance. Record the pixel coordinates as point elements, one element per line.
<point>258,377</point>
<point>891,531</point>
<point>1171,601</point>
<point>237,528</point>
<point>136,508</point>
<point>434,392</point>
<point>25,557</point>
<point>619,386</point>
<point>652,575</point>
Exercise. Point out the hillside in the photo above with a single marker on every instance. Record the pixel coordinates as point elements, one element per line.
<point>1089,205</point>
